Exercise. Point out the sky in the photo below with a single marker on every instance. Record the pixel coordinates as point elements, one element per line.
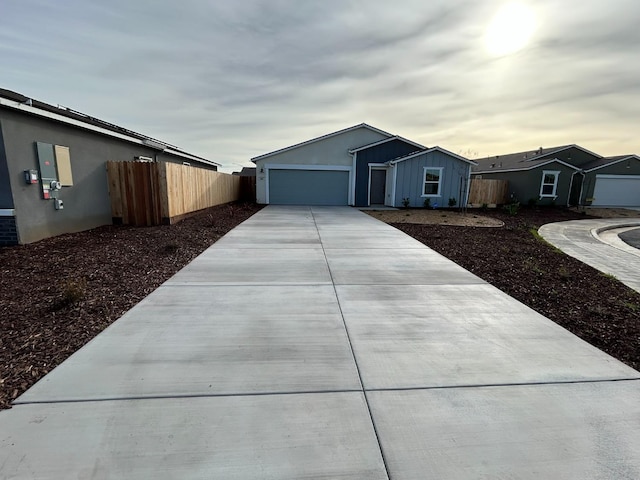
<point>232,79</point>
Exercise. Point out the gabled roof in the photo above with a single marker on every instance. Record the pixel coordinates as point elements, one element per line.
<point>380,142</point>
<point>17,101</point>
<point>523,160</point>
<point>323,137</point>
<point>607,161</point>
<point>429,150</point>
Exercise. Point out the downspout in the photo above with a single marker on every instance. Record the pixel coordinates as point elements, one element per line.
<point>466,200</point>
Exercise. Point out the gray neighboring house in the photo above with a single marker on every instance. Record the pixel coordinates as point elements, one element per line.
<point>566,175</point>
<point>41,144</point>
<point>361,166</point>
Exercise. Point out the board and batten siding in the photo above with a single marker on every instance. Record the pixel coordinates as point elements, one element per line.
<point>410,179</point>
<point>333,150</point>
<point>377,154</point>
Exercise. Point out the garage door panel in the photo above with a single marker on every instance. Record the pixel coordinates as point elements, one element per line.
<point>617,191</point>
<point>308,187</point>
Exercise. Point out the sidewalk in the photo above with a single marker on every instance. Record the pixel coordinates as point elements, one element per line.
<point>595,243</point>
<point>318,342</point>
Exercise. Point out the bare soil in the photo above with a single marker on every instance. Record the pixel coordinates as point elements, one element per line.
<point>59,293</point>
<point>423,216</point>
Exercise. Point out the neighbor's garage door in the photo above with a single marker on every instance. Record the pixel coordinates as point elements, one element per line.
<point>308,187</point>
<point>617,191</point>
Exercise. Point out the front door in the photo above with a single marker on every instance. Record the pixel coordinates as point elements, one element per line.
<point>377,187</point>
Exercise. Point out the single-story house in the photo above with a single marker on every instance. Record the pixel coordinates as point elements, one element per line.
<point>361,166</point>
<point>566,175</point>
<point>53,176</point>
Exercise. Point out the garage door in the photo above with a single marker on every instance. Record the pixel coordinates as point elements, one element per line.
<point>308,187</point>
<point>617,191</point>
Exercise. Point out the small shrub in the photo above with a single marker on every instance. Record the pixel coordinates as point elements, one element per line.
<point>532,202</point>
<point>72,292</point>
<point>406,202</point>
<point>452,202</point>
<point>512,208</point>
<point>427,203</point>
<point>484,207</point>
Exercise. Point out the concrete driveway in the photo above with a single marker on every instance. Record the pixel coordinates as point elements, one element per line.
<point>596,243</point>
<point>317,342</point>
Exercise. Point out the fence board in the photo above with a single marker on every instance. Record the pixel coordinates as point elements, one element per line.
<point>144,193</point>
<point>488,191</point>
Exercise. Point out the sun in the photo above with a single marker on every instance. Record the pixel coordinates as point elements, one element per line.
<point>510,30</point>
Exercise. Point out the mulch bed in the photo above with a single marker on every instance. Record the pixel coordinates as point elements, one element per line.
<point>59,293</point>
<point>592,305</point>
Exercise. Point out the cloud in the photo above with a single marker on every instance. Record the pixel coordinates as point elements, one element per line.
<point>230,80</point>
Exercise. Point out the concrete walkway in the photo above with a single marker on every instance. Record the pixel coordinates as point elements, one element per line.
<point>596,243</point>
<point>317,342</point>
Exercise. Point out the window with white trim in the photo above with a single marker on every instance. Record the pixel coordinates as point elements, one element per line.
<point>432,181</point>
<point>549,183</point>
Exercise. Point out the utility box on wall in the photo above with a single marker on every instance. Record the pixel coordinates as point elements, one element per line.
<point>48,170</point>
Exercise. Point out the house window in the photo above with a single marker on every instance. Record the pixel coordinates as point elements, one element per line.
<point>432,181</point>
<point>549,183</point>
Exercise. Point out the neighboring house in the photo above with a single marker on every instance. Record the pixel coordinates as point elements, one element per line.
<point>566,175</point>
<point>53,176</point>
<point>246,172</point>
<point>361,166</point>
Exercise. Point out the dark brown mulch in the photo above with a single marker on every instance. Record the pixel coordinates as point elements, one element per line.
<point>594,306</point>
<point>57,294</point>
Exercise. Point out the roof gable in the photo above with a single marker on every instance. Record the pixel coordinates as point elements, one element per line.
<point>526,160</point>
<point>323,137</point>
<point>429,150</point>
<point>608,161</point>
<point>529,166</point>
<point>390,139</point>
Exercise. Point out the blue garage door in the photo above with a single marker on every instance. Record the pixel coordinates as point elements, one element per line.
<point>308,187</point>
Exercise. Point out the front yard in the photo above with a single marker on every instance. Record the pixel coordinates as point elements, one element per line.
<point>57,294</point>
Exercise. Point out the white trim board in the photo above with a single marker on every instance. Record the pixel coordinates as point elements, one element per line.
<point>7,212</point>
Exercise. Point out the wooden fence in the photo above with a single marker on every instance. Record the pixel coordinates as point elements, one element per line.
<point>488,192</point>
<point>145,193</point>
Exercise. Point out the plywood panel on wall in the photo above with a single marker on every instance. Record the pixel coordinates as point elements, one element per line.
<point>63,163</point>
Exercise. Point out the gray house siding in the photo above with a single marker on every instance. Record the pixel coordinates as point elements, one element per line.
<point>330,151</point>
<point>410,179</point>
<point>525,185</point>
<point>86,203</point>
<point>616,169</point>
<point>376,154</point>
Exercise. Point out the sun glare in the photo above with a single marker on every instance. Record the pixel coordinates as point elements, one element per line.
<point>510,30</point>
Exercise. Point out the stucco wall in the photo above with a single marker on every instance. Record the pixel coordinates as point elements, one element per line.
<point>410,179</point>
<point>86,203</point>
<point>329,151</point>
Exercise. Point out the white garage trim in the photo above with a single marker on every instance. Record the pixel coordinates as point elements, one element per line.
<point>289,166</point>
